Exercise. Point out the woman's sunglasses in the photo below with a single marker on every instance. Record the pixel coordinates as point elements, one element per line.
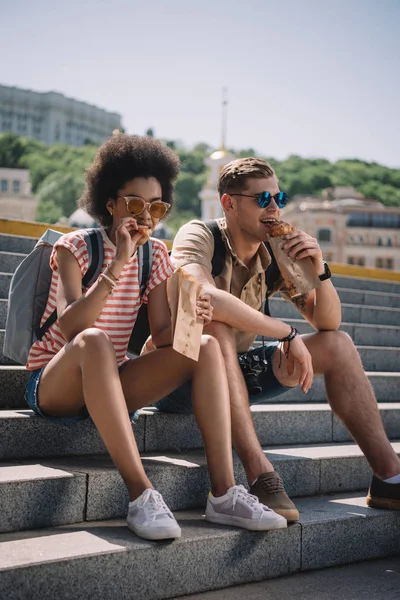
<point>264,199</point>
<point>136,206</point>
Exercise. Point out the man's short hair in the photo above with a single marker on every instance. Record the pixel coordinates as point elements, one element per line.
<point>234,176</point>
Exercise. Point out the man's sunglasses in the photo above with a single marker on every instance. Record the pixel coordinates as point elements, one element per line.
<point>136,206</point>
<point>264,199</point>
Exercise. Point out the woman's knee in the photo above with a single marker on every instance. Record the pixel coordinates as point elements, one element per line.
<point>210,349</point>
<point>93,340</point>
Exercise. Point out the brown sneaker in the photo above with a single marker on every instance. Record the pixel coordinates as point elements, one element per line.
<point>270,491</point>
<point>383,495</point>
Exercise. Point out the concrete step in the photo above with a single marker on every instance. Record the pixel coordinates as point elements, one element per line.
<point>362,334</point>
<point>367,298</point>
<point>367,284</point>
<point>105,560</point>
<point>374,358</point>
<point>351,313</point>
<point>386,386</point>
<point>95,488</point>
<point>5,281</point>
<point>370,579</point>
<point>15,243</point>
<point>24,435</point>
<point>354,296</point>
<point>9,261</point>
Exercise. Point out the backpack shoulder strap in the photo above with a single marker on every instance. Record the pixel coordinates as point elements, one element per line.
<point>218,259</point>
<point>94,243</point>
<point>145,260</point>
<point>272,275</point>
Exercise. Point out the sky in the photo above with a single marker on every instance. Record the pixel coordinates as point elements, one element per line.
<point>310,77</point>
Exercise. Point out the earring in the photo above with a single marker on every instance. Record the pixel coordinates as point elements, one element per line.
<point>110,210</point>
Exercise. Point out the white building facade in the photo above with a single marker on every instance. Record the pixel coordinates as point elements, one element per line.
<point>54,118</point>
<point>350,228</point>
<point>16,200</point>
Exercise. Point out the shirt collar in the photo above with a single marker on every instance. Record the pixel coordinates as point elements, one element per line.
<point>263,258</point>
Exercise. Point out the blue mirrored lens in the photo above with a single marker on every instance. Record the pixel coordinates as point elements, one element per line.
<point>281,199</point>
<point>264,199</point>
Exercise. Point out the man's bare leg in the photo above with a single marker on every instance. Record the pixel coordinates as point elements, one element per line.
<point>350,396</point>
<point>244,437</point>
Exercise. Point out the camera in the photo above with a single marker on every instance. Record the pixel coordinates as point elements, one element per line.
<point>253,366</point>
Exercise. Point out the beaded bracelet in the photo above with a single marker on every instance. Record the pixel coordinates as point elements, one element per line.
<point>109,282</point>
<point>291,335</point>
<point>289,338</point>
<point>112,274</point>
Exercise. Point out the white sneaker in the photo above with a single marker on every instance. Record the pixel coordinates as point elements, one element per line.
<point>150,518</point>
<point>239,508</point>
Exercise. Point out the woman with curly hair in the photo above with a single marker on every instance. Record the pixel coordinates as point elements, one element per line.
<point>80,368</point>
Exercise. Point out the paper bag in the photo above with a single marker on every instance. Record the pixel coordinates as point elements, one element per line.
<point>187,327</point>
<point>299,276</point>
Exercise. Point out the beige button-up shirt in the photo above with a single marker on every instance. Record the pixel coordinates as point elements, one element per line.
<point>194,243</point>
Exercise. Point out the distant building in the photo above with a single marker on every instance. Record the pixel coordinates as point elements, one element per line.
<point>350,228</point>
<point>52,117</point>
<point>16,200</point>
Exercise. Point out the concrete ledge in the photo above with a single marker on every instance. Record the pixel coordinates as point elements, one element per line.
<point>38,496</point>
<point>351,313</point>
<point>105,560</point>
<point>184,482</point>
<point>25,435</point>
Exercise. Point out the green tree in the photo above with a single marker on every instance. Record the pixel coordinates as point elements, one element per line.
<point>48,212</point>
<point>63,190</point>
<point>12,150</point>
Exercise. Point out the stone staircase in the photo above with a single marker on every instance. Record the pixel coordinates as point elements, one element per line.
<point>62,532</point>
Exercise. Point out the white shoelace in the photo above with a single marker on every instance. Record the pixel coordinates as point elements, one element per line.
<point>156,505</point>
<point>240,492</point>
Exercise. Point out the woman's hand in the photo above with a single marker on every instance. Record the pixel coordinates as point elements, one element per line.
<point>204,308</point>
<point>127,236</point>
<point>298,353</point>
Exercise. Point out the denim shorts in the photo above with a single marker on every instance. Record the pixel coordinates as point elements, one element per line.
<point>31,398</point>
<point>180,400</point>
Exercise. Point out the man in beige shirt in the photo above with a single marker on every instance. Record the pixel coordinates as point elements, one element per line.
<point>251,200</point>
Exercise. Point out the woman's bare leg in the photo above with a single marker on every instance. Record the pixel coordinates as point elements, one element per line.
<point>154,375</point>
<point>85,372</point>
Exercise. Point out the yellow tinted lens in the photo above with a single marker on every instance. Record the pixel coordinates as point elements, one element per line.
<point>158,209</point>
<point>136,206</point>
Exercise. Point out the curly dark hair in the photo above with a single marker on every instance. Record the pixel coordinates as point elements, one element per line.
<point>122,158</point>
<point>234,175</point>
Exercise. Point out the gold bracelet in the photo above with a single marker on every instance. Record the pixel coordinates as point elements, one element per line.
<point>116,279</point>
<point>110,284</point>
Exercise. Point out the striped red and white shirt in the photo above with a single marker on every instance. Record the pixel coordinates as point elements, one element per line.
<point>121,309</point>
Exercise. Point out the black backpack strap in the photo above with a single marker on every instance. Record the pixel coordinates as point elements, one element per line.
<point>145,259</point>
<point>272,274</point>
<point>218,259</point>
<point>94,243</point>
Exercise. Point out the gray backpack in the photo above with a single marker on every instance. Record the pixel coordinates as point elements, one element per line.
<point>29,291</point>
<point>30,285</point>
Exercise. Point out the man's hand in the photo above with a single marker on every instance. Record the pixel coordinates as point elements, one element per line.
<point>300,245</point>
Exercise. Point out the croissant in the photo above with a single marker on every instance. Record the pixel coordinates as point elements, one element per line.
<point>280,228</point>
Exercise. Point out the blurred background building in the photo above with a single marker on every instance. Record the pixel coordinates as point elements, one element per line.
<point>52,117</point>
<point>16,200</point>
<point>350,228</point>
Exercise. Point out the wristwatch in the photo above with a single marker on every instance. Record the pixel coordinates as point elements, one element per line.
<point>327,274</point>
